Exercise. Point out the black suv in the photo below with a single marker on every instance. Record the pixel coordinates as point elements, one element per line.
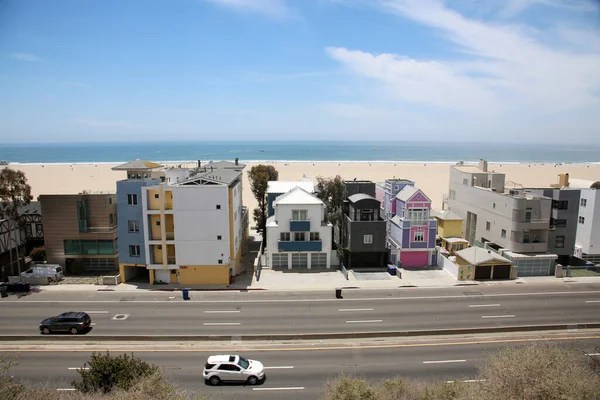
<point>73,322</point>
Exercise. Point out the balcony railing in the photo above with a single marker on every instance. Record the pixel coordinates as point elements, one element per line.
<point>315,245</point>
<point>168,205</point>
<point>171,260</point>
<point>299,226</point>
<point>169,236</point>
<point>99,229</point>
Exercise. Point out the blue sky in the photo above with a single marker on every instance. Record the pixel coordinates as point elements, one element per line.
<point>114,70</point>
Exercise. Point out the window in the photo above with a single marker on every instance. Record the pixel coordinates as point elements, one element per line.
<point>218,206</point>
<point>528,215</point>
<point>105,247</point>
<point>220,261</point>
<point>503,234</point>
<point>560,223</point>
<point>284,236</point>
<point>560,205</point>
<point>466,181</point>
<point>368,239</point>
<point>494,205</point>
<point>28,230</point>
<point>219,237</point>
<point>235,215</point>
<point>111,219</point>
<point>488,226</point>
<point>559,242</point>
<point>134,226</point>
<point>582,220</point>
<point>109,201</point>
<point>583,203</point>
<point>156,196</point>
<point>134,251</point>
<point>299,236</point>
<point>299,215</point>
<point>132,199</point>
<point>157,223</point>
<point>314,236</point>
<point>452,195</point>
<point>419,237</point>
<point>526,237</point>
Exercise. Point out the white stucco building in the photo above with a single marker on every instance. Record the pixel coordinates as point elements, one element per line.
<point>587,239</point>
<point>298,237</point>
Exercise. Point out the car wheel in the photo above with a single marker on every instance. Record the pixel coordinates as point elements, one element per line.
<point>46,331</point>
<point>252,380</point>
<point>74,331</point>
<point>214,380</point>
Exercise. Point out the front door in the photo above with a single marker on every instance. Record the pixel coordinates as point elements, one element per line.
<point>174,276</point>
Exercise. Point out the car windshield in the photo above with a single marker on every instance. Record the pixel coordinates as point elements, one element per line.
<point>243,363</point>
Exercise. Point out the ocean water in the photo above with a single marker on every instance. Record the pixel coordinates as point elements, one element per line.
<point>298,151</point>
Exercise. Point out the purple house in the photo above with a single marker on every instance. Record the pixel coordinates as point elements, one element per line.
<point>411,230</point>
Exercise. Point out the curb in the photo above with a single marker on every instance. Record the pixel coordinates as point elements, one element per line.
<point>308,336</point>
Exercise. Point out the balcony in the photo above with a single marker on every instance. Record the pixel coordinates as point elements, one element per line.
<point>316,245</point>
<point>98,229</point>
<point>159,260</point>
<point>157,237</point>
<point>168,205</point>
<point>299,226</point>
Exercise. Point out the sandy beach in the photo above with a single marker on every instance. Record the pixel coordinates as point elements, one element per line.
<point>432,178</point>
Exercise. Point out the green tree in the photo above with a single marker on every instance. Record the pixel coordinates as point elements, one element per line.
<point>259,177</point>
<point>104,373</point>
<point>14,193</point>
<point>333,193</point>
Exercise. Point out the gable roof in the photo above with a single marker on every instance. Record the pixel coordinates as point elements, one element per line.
<point>216,177</point>
<point>408,192</point>
<point>476,255</point>
<point>286,186</point>
<point>445,215</point>
<point>137,165</point>
<point>298,196</point>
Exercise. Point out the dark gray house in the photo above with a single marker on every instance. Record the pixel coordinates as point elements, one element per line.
<point>363,230</point>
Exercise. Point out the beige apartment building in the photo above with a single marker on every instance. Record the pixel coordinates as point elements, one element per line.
<point>81,230</point>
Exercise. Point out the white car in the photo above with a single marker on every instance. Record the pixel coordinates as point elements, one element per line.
<point>53,272</point>
<point>232,368</point>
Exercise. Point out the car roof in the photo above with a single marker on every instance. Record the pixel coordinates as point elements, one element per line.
<point>73,314</point>
<point>222,358</point>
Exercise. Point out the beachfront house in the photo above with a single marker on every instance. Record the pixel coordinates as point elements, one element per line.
<point>298,236</point>
<point>363,230</point>
<point>515,225</point>
<point>195,231</point>
<point>81,231</point>
<point>411,231</point>
<point>449,230</point>
<point>133,256</point>
<point>277,188</point>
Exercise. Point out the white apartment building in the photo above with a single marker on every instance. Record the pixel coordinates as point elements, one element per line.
<point>194,231</point>
<point>298,237</point>
<point>503,220</point>
<point>587,239</point>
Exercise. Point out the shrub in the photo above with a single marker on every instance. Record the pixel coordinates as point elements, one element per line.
<point>38,254</point>
<point>105,373</point>
<point>347,387</point>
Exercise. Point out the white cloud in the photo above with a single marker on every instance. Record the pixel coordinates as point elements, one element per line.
<point>24,57</point>
<point>272,8</point>
<point>100,123</point>
<point>499,68</point>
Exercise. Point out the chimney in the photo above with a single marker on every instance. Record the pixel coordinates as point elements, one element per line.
<point>483,165</point>
<point>563,180</point>
<point>237,161</point>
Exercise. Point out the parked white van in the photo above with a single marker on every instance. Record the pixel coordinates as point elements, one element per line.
<point>53,272</point>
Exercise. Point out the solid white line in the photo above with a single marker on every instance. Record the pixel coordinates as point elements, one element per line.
<point>96,312</point>
<point>355,309</point>
<point>221,323</point>
<point>286,367</point>
<point>484,305</point>
<point>222,312</point>
<point>304,300</point>
<point>469,381</point>
<point>68,389</point>
<point>372,321</point>
<point>93,324</point>
<point>444,361</point>
<point>593,354</point>
<point>78,368</point>
<point>498,316</point>
<point>281,388</point>
<point>593,301</point>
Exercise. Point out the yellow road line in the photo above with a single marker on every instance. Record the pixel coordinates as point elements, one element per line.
<point>333,348</point>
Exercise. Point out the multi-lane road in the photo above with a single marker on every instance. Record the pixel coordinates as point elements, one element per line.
<point>291,374</point>
<point>246,314</point>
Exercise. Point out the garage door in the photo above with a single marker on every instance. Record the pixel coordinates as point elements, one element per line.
<point>280,260</point>
<point>414,258</point>
<point>299,260</point>
<point>483,272</point>
<point>502,271</point>
<point>318,260</point>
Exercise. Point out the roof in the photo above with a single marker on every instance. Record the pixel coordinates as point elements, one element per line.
<point>286,186</point>
<point>583,184</point>
<point>298,196</point>
<point>221,358</point>
<point>456,240</point>
<point>218,176</point>
<point>476,255</point>
<point>445,215</point>
<point>137,165</point>
<point>408,192</point>
<point>224,165</point>
<point>355,198</point>
<point>396,220</point>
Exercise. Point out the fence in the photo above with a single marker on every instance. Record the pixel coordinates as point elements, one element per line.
<point>344,271</point>
<point>258,263</point>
